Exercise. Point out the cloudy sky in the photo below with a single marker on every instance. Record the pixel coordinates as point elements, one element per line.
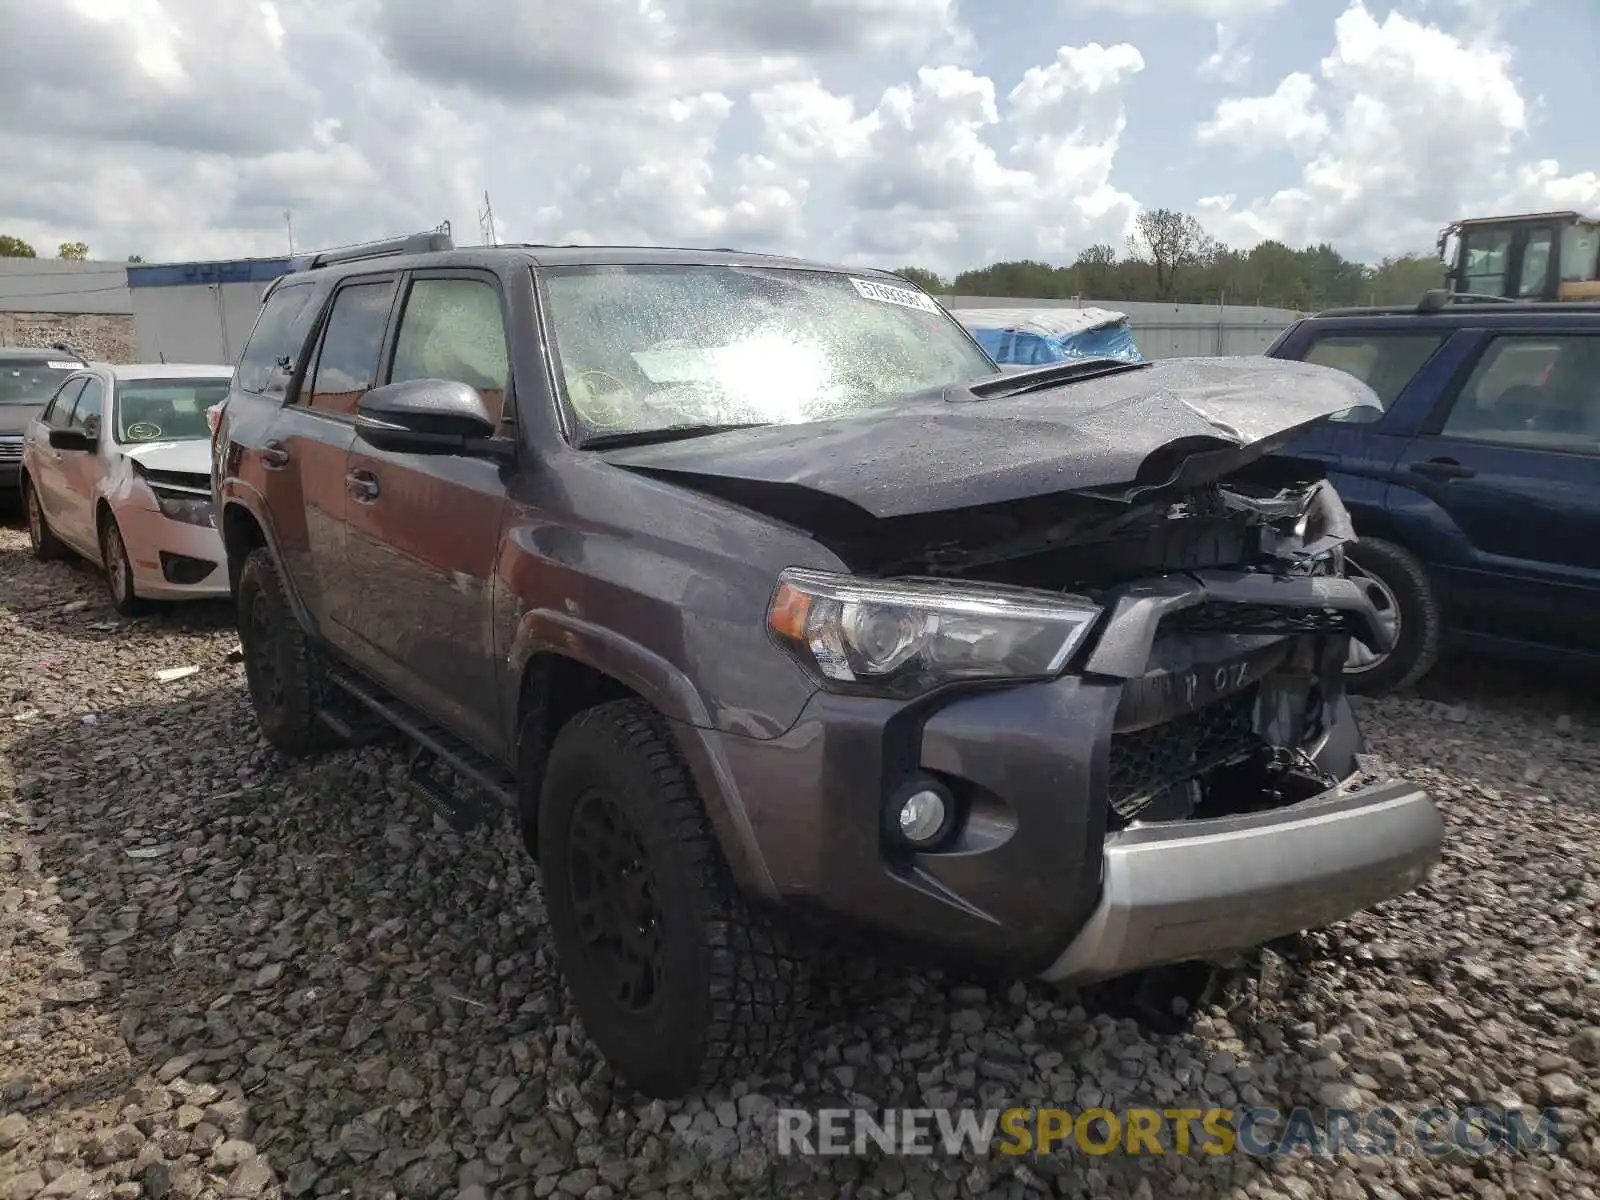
<point>946,133</point>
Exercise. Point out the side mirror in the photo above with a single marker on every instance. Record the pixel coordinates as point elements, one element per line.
<point>70,439</point>
<point>429,416</point>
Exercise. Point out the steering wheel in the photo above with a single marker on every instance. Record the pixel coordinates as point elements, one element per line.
<point>602,406</point>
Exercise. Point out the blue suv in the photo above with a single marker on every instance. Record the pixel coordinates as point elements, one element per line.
<point>1477,495</point>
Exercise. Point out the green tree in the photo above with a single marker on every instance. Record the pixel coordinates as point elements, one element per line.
<point>1172,258</point>
<point>76,251</point>
<point>1172,243</point>
<point>15,247</point>
<point>1025,278</point>
<point>1402,280</point>
<point>1333,279</point>
<point>928,281</point>
<point>1279,277</point>
<point>1095,270</point>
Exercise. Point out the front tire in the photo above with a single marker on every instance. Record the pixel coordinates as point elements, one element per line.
<point>678,982</point>
<point>119,569</point>
<point>1399,587</point>
<point>285,672</point>
<point>46,546</point>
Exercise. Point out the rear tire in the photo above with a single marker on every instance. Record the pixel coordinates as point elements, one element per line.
<point>46,546</point>
<point>119,569</point>
<point>1398,579</point>
<point>678,982</point>
<point>285,672</point>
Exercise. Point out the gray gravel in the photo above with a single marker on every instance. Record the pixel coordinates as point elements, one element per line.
<point>226,975</point>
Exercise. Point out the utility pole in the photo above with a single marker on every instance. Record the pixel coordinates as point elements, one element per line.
<point>288,220</point>
<point>486,223</point>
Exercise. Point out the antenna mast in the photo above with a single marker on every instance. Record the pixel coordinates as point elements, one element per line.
<point>486,223</point>
<point>288,220</point>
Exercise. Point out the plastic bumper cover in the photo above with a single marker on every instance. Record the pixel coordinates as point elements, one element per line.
<point>1194,889</point>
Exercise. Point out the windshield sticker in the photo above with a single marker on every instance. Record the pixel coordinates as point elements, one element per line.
<point>143,431</point>
<point>885,294</point>
<point>64,366</point>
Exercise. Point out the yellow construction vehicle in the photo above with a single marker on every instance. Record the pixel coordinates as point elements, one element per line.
<point>1533,256</point>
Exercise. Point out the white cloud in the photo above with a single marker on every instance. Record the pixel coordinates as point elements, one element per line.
<point>1407,128</point>
<point>1285,119</point>
<point>1211,10</point>
<point>1232,57</point>
<point>929,181</point>
<point>517,49</point>
<point>835,128</point>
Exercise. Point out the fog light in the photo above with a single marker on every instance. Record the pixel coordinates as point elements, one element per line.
<point>922,816</point>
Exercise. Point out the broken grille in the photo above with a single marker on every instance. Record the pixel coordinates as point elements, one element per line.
<point>1221,616</point>
<point>1145,763</point>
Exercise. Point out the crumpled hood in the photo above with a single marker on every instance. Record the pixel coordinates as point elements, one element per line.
<point>1175,422</point>
<point>192,456</point>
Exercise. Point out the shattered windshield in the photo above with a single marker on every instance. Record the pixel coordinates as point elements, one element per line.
<point>658,348</point>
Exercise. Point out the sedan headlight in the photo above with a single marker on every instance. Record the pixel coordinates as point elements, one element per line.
<point>906,637</point>
<point>185,507</point>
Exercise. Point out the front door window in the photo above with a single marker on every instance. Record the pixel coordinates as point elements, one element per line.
<point>1536,254</point>
<point>1486,252</point>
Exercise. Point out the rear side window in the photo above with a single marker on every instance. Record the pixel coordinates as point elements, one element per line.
<point>1384,362</point>
<point>274,339</point>
<point>352,340</point>
<point>1541,392</point>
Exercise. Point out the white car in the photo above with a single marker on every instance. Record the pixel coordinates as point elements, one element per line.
<point>118,468</point>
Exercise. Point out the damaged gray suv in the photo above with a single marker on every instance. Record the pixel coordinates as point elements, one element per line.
<point>771,605</point>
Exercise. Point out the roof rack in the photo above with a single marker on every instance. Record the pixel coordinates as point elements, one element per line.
<point>1437,299</point>
<point>415,243</point>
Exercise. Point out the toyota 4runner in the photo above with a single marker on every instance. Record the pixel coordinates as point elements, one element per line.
<point>770,603</point>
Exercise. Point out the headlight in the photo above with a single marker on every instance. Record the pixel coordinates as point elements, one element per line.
<point>906,637</point>
<point>181,506</point>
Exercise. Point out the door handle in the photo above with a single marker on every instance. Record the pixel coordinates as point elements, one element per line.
<point>363,486</point>
<point>275,455</point>
<point>1441,469</point>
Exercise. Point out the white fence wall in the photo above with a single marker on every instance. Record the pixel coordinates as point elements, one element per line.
<point>54,285</point>
<point>1171,330</point>
<point>195,323</point>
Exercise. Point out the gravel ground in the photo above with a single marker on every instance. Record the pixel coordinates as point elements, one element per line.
<point>222,974</point>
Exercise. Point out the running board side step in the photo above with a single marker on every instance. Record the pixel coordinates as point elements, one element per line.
<point>476,775</point>
<point>356,728</point>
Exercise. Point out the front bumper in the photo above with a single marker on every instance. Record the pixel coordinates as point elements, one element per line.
<point>1192,889</point>
<point>1045,878</point>
<point>173,560</point>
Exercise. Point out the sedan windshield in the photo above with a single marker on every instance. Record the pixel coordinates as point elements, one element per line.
<point>33,383</point>
<point>648,349</point>
<point>166,410</point>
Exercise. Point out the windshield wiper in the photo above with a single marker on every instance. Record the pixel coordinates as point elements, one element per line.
<point>1052,375</point>
<point>664,433</point>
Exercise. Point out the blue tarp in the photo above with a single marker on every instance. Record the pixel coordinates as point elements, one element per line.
<point>1033,337</point>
